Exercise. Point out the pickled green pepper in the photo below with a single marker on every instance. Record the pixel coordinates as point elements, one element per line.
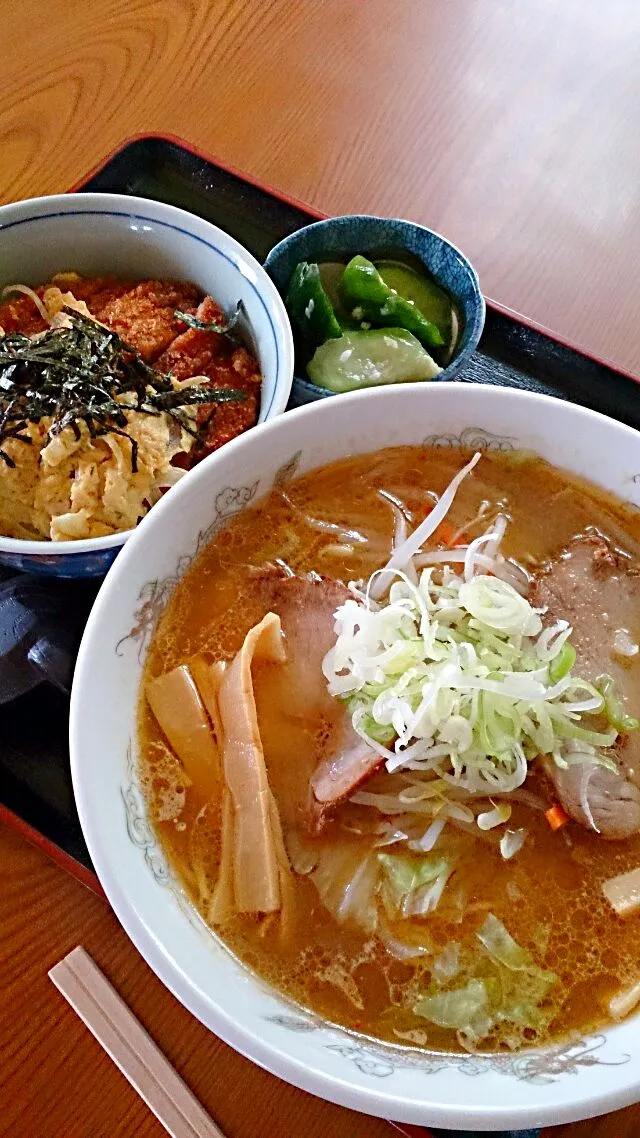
<point>372,301</point>
<point>310,307</point>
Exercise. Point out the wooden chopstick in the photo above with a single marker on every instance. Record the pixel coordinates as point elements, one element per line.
<point>131,1048</point>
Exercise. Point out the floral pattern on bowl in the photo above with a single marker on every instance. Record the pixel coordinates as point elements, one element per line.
<point>472,438</point>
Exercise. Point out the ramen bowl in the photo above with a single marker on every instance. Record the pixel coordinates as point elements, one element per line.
<point>112,234</point>
<point>567,1081</point>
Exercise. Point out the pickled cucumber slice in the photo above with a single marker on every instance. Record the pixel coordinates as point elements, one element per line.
<point>370,359</point>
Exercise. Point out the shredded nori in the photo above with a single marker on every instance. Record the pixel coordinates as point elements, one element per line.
<point>80,374</point>
<point>228,329</point>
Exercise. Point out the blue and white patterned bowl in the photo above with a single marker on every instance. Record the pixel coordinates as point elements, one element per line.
<point>98,234</point>
<point>340,238</point>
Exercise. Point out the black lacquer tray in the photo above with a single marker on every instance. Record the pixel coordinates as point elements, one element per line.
<point>48,616</point>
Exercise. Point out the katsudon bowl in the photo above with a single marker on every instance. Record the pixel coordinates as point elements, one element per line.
<point>580,1075</point>
<point>133,238</point>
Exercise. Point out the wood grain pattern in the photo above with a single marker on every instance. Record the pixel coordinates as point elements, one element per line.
<point>513,130</point>
<point>58,1083</point>
<point>56,1080</point>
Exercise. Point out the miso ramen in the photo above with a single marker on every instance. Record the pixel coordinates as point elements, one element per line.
<point>389,745</point>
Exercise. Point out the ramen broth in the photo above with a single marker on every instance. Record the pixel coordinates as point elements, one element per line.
<point>548,896</point>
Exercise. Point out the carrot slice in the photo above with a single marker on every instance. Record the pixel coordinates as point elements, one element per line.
<point>556,816</point>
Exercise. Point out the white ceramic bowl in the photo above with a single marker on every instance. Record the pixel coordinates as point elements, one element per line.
<point>564,1083</point>
<point>98,234</point>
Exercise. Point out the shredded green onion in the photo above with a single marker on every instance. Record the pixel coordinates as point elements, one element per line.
<point>459,677</point>
<point>562,664</point>
<point>613,708</point>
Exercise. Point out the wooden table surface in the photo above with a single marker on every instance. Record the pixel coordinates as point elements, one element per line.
<point>511,128</point>
<point>58,1083</point>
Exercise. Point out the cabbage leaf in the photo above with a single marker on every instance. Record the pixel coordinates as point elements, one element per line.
<point>413,886</point>
<point>508,988</point>
<point>501,946</point>
<point>457,1008</point>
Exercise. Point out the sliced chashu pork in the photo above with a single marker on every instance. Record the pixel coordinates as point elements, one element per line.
<point>338,760</point>
<point>598,592</point>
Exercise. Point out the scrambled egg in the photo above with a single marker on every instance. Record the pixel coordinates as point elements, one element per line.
<point>65,488</point>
